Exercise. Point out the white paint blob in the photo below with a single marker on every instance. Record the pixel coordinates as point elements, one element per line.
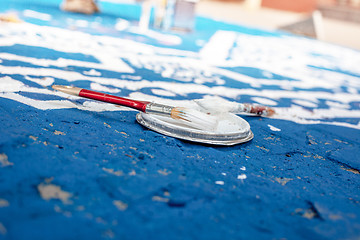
<point>122,24</point>
<point>242,176</point>
<point>219,182</point>
<point>92,72</point>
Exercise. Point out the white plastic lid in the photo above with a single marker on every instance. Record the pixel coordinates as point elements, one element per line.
<point>231,129</point>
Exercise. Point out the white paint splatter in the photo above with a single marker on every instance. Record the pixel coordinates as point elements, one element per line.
<point>92,72</point>
<point>120,205</point>
<point>51,191</point>
<point>39,104</point>
<point>275,129</point>
<point>242,176</point>
<point>159,199</point>
<point>4,161</point>
<point>4,203</point>
<point>289,57</point>
<point>113,172</point>
<point>219,182</point>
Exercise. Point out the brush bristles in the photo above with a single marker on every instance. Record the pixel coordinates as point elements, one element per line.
<point>194,118</point>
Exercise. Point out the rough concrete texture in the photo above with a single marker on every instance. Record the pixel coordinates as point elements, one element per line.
<point>76,169</point>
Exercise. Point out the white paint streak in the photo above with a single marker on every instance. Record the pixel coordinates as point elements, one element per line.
<point>7,84</point>
<point>100,106</point>
<point>39,104</point>
<point>44,81</point>
<point>264,101</point>
<point>275,129</point>
<point>102,88</point>
<point>337,105</point>
<point>305,103</point>
<point>37,15</point>
<point>164,38</point>
<point>161,92</point>
<point>61,62</point>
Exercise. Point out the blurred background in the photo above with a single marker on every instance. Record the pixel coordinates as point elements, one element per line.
<point>334,21</point>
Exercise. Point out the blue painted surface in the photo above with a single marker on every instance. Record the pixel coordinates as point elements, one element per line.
<point>302,182</point>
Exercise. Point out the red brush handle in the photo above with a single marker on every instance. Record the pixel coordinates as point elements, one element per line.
<point>141,106</point>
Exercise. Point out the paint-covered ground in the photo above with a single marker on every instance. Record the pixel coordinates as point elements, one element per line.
<point>78,169</point>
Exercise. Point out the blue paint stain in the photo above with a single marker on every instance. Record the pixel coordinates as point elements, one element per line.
<point>302,182</point>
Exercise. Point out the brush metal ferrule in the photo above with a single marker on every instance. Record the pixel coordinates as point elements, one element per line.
<point>158,109</point>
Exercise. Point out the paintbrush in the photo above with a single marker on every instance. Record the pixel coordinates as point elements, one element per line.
<point>220,105</point>
<point>189,117</point>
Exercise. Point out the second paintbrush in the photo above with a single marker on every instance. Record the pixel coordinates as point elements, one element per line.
<point>186,116</point>
<point>219,105</point>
